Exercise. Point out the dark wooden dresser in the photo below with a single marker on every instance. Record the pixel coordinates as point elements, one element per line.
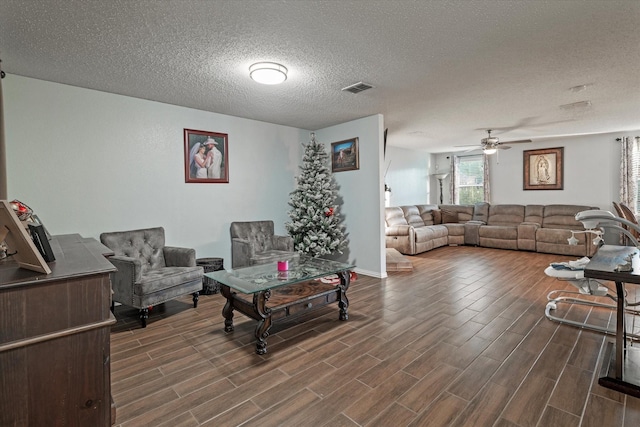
<point>54,338</point>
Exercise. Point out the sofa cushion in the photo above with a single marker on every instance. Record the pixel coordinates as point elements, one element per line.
<point>426,213</point>
<point>412,215</point>
<point>449,217</point>
<point>481,212</point>
<point>163,278</point>
<point>423,234</point>
<point>500,232</point>
<point>533,213</point>
<point>499,236</point>
<point>506,215</point>
<point>431,237</point>
<point>464,212</point>
<point>456,233</point>
<point>437,216</point>
<point>563,216</point>
<point>554,241</point>
<point>394,216</point>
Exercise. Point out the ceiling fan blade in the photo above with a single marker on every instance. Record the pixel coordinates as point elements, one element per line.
<point>469,145</point>
<point>521,141</point>
<point>503,147</point>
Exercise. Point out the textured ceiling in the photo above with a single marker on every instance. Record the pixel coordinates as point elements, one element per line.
<point>442,71</point>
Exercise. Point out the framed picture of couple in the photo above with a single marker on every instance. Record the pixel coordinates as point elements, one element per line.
<point>206,157</point>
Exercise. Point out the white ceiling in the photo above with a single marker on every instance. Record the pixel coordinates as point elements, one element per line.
<point>442,71</point>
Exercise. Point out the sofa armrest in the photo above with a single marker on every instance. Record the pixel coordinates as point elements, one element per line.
<point>179,257</point>
<point>528,230</point>
<point>398,230</point>
<point>282,243</point>
<point>241,252</point>
<point>129,271</point>
<point>128,267</point>
<point>527,236</point>
<point>472,232</point>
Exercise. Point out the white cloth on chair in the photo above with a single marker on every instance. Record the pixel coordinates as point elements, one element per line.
<point>571,265</point>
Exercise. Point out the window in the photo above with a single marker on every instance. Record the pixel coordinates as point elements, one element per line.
<point>469,180</point>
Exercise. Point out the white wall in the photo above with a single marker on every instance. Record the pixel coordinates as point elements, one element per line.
<point>591,172</point>
<point>89,161</point>
<point>361,191</point>
<point>407,173</point>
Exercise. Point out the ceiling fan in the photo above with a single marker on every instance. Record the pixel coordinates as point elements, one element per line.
<point>491,144</point>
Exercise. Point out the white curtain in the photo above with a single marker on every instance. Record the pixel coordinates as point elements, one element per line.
<point>629,172</point>
<point>485,179</point>
<point>453,177</point>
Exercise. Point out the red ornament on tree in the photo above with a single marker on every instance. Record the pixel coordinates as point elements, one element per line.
<point>329,212</point>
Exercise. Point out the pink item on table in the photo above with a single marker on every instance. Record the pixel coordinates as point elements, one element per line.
<point>283,265</point>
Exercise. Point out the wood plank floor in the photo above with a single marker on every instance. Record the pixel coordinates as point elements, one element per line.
<point>461,340</point>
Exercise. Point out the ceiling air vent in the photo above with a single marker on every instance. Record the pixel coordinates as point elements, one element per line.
<point>357,87</point>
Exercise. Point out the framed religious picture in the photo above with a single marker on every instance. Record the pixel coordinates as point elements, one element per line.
<point>206,157</point>
<point>543,169</point>
<point>345,155</point>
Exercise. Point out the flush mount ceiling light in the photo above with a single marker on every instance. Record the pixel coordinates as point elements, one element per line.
<point>268,73</point>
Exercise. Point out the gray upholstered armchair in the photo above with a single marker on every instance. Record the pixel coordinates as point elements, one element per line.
<point>149,272</point>
<point>254,242</point>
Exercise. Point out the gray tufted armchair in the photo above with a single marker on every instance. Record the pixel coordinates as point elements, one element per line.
<point>254,242</point>
<point>149,272</point>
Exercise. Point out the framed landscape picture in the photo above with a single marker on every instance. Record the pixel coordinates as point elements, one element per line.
<point>345,155</point>
<point>206,158</point>
<point>543,169</point>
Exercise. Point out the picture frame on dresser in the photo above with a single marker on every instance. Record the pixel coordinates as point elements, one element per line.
<point>21,247</point>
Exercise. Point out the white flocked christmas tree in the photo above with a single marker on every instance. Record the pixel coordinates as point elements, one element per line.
<point>315,223</point>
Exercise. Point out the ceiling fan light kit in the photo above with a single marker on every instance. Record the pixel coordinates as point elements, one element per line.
<point>491,144</point>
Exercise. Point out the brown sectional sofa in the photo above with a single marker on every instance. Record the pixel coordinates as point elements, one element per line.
<point>540,228</point>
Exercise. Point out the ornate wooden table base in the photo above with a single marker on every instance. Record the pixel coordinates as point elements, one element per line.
<point>283,302</point>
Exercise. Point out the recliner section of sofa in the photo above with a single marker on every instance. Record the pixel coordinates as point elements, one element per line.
<point>415,229</point>
<point>557,223</point>
<point>501,230</point>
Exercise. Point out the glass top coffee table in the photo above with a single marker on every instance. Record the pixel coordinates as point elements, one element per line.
<point>265,294</point>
